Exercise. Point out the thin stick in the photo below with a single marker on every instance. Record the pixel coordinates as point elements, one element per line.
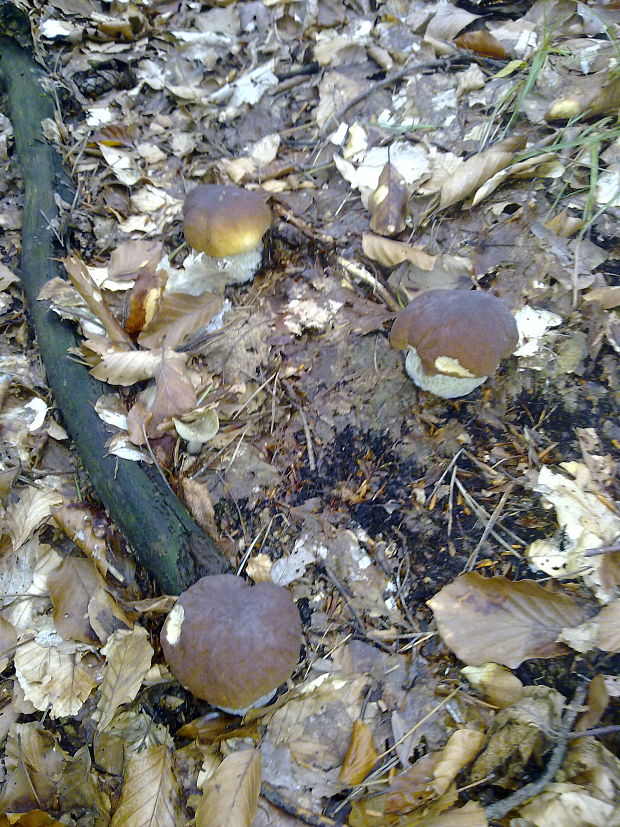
<point>361,274</point>
<point>488,528</point>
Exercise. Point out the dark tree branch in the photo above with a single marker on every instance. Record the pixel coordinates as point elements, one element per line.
<point>161,533</point>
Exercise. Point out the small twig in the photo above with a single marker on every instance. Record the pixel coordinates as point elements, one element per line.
<point>341,590</point>
<point>594,552</point>
<point>600,730</point>
<point>473,557</point>
<point>304,422</point>
<point>361,274</point>
<point>407,69</point>
<point>270,794</point>
<point>502,808</point>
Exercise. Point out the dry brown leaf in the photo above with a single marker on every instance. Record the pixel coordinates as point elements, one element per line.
<point>32,509</point>
<point>179,315</point>
<point>608,627</point>
<point>388,203</point>
<point>71,587</point>
<point>495,619</point>
<point>412,789</point>
<point>474,172</point>
<point>597,701</point>
<point>132,256</point>
<point>89,529</point>
<point>34,762</point>
<point>150,794</point>
<point>129,655</point>
<point>482,43</point>
<point>361,755</point>
<point>230,796</point>
<point>105,615</point>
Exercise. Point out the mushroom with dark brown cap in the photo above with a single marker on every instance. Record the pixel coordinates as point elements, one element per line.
<point>227,224</point>
<point>232,644</point>
<point>454,339</point>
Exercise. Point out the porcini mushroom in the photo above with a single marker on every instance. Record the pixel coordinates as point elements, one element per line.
<point>232,644</point>
<point>227,224</point>
<point>454,339</point>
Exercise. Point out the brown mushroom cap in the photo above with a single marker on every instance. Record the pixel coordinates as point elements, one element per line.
<point>231,644</point>
<point>472,328</point>
<point>224,221</point>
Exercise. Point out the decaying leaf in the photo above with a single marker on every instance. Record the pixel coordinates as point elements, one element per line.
<point>482,43</point>
<point>128,655</point>
<point>389,253</point>
<point>361,755</point>
<point>568,805</point>
<point>496,619</point>
<point>587,520</point>
<point>517,733</point>
<point>34,762</point>
<point>230,796</point>
<point>150,792</point>
<point>388,203</point>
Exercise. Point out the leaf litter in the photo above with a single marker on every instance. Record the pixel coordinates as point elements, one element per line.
<point>455,562</point>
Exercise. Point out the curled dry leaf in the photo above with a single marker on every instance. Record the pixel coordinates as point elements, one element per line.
<point>474,172</point>
<point>496,684</point>
<point>462,747</point>
<point>388,203</point>
<point>495,619</point>
<point>361,755</point>
<point>389,253</point>
<point>230,796</point>
<point>482,43</point>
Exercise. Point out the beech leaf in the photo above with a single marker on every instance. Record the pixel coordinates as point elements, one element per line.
<point>230,796</point>
<point>150,791</point>
<point>495,619</point>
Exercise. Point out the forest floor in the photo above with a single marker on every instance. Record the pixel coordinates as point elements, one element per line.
<point>455,562</point>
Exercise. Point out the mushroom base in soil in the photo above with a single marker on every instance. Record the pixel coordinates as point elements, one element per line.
<point>454,339</point>
<point>441,384</point>
<point>232,644</point>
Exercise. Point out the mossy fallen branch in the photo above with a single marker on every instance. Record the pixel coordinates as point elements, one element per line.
<point>161,533</point>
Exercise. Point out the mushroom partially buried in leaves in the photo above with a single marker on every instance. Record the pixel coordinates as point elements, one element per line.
<point>227,225</point>
<point>454,339</point>
<point>232,644</point>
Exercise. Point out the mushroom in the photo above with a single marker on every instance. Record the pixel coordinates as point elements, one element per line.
<point>226,224</point>
<point>232,644</point>
<point>454,339</point>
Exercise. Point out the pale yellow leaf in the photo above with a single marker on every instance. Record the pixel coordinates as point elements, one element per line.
<point>461,748</point>
<point>55,675</point>
<point>128,654</point>
<point>230,796</point>
<point>150,793</point>
<point>128,367</point>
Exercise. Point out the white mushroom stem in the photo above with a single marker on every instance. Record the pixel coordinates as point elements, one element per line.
<point>448,387</point>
